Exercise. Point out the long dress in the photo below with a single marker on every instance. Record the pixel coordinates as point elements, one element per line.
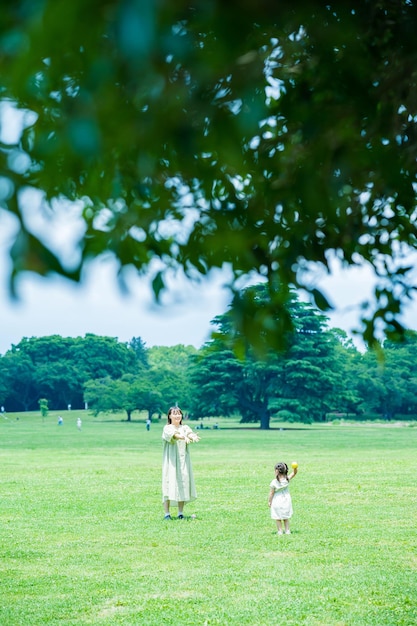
<point>281,505</point>
<point>177,473</point>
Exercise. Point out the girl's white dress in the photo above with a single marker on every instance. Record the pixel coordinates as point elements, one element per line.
<point>281,506</point>
<point>177,474</point>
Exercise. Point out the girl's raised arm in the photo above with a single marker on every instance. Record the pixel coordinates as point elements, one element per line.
<point>293,473</point>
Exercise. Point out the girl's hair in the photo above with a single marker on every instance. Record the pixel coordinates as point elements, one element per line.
<point>174,408</point>
<point>282,469</point>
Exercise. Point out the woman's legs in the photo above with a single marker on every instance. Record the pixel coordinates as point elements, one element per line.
<point>180,508</point>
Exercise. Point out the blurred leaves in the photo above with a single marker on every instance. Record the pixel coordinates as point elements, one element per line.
<point>260,135</point>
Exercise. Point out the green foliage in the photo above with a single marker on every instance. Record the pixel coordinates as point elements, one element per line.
<point>288,416</point>
<point>129,393</point>
<point>171,357</point>
<point>58,367</point>
<point>139,348</point>
<point>305,378</point>
<point>388,385</point>
<point>171,374</point>
<point>43,406</point>
<point>17,373</point>
<point>266,136</point>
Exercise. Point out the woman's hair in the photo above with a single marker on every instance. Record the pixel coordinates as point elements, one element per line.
<point>282,469</point>
<point>174,408</point>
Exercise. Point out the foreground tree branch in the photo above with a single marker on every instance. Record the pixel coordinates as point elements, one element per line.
<point>265,136</point>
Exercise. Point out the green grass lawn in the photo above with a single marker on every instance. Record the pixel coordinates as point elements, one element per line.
<point>83,541</point>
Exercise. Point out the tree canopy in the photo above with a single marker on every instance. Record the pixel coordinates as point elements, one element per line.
<point>305,380</point>
<point>266,136</point>
<point>57,368</point>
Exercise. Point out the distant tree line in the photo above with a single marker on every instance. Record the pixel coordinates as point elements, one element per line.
<point>319,372</point>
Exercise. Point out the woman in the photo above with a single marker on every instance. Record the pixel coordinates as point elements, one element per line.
<point>177,475</point>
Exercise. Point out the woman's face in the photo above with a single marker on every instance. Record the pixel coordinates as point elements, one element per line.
<point>176,416</point>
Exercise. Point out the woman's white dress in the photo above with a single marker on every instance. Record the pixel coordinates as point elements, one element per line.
<point>177,473</point>
<point>281,505</point>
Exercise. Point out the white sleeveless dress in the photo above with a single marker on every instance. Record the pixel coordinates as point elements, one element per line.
<point>281,506</point>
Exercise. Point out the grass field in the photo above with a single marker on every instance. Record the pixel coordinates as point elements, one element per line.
<point>83,541</point>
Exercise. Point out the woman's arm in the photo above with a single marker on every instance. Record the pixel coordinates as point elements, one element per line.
<point>171,434</point>
<point>190,435</point>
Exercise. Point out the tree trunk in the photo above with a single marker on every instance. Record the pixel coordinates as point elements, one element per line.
<point>129,415</point>
<point>264,419</point>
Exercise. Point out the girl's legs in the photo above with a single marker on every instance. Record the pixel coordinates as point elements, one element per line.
<point>279,526</point>
<point>287,526</point>
<point>166,507</point>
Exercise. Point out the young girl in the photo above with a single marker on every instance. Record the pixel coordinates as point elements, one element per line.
<point>279,499</point>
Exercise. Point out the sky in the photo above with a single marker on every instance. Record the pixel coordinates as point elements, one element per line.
<point>49,306</point>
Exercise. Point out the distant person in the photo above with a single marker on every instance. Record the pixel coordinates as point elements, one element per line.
<point>178,485</point>
<point>279,499</point>
<point>79,423</point>
<point>148,424</point>
<point>60,420</point>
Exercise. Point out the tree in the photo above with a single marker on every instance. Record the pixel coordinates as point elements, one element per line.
<point>139,348</point>
<point>129,393</point>
<point>59,381</point>
<point>175,358</point>
<point>106,395</point>
<point>266,136</point>
<point>304,378</point>
<point>57,368</point>
<point>312,378</point>
<point>216,374</point>
<point>348,362</point>
<point>43,406</point>
<point>387,383</point>
<point>170,367</point>
<point>17,371</point>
